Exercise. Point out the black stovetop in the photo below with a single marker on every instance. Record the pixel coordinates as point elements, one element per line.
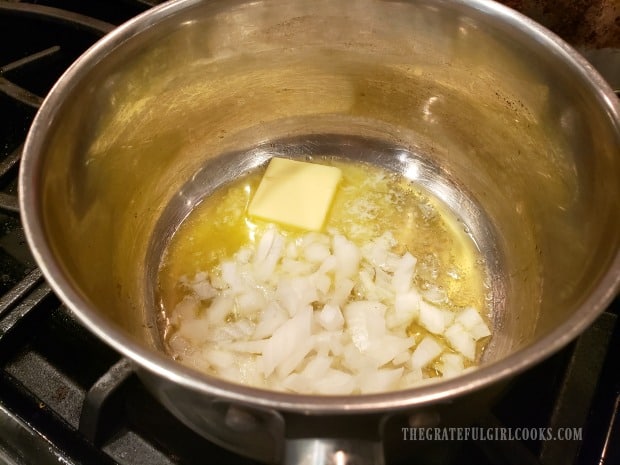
<point>66,397</point>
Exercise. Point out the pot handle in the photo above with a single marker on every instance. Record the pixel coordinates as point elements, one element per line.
<point>331,451</point>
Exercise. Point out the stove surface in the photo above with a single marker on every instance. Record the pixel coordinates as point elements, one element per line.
<point>66,397</point>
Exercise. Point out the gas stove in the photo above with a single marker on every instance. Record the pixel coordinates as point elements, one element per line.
<point>66,397</point>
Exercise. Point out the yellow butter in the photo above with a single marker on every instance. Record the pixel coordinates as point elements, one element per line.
<point>295,193</point>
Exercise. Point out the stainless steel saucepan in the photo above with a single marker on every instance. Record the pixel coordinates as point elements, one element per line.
<point>499,118</point>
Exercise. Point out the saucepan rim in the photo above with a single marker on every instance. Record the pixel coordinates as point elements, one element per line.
<point>163,366</point>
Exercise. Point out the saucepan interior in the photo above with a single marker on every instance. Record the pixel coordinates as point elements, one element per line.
<point>498,119</point>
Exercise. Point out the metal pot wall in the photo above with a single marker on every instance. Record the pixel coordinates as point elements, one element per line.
<point>503,121</point>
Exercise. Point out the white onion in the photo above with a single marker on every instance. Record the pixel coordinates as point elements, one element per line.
<point>347,257</point>
<point>383,350</point>
<point>450,364</point>
<point>320,315</point>
<point>249,302</point>
<point>296,293</point>
<point>473,322</point>
<point>272,317</point>
<point>334,382</point>
<point>250,347</point>
<point>330,317</point>
<point>294,267</point>
<point>365,321</point>
<point>406,308</point>
<point>317,366</point>
<point>403,274</point>
<point>426,351</point>
<point>321,282</point>
<point>432,318</point>
<point>342,291</point>
<point>197,331</point>
<point>270,249</point>
<point>202,288</point>
<point>187,309</point>
<point>316,252</point>
<point>240,329</point>
<point>286,340</point>
<point>330,343</point>
<point>380,380</point>
<point>221,307</point>
<point>219,358</point>
<point>460,340</point>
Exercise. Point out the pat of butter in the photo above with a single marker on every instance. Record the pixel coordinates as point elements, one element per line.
<point>295,193</point>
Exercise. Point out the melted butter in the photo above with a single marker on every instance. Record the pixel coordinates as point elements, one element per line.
<point>369,202</point>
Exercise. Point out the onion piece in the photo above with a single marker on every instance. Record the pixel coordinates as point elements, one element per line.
<point>271,318</point>
<point>365,321</point>
<point>406,309</point>
<point>285,341</point>
<point>249,347</point>
<point>316,252</point>
<point>218,358</point>
<point>317,366</point>
<point>347,257</point>
<point>403,274</point>
<point>472,321</point>
<point>249,302</point>
<point>240,329</point>
<point>196,331</point>
<point>330,342</point>
<point>380,380</point>
<point>461,340</point>
<point>202,288</point>
<point>450,364</point>
<point>330,317</point>
<point>269,251</point>
<point>296,293</point>
<point>432,318</point>
<point>425,352</point>
<point>333,318</point>
<point>222,306</point>
<point>385,349</point>
<point>334,382</point>
<point>187,309</point>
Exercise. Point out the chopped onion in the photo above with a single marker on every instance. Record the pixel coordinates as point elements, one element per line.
<point>272,317</point>
<point>473,322</point>
<point>403,274</point>
<point>380,380</point>
<point>385,349</point>
<point>432,318</point>
<point>202,288</point>
<point>461,340</point>
<point>347,257</point>
<point>317,366</point>
<point>296,293</point>
<point>450,364</point>
<point>426,351</point>
<point>320,315</point>
<point>365,321</point>
<point>406,309</point>
<point>330,317</point>
<point>286,341</point>
<point>221,307</point>
<point>334,382</point>
<point>269,251</point>
<point>316,252</point>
